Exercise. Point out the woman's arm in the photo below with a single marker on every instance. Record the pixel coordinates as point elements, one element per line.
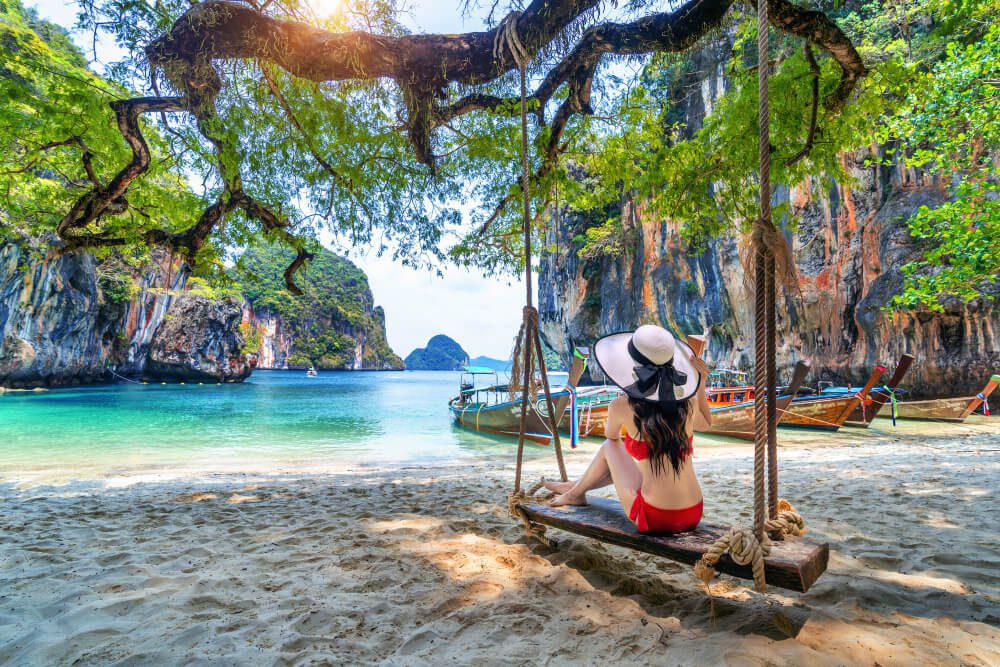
<point>616,418</point>
<point>703,413</point>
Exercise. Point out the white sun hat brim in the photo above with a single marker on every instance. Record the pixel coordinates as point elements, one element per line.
<point>615,360</point>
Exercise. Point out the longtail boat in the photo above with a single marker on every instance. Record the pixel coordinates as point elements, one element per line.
<point>737,421</point>
<point>728,387</point>
<point>491,409</point>
<point>863,414</point>
<point>827,413</point>
<point>592,405</point>
<point>946,409</point>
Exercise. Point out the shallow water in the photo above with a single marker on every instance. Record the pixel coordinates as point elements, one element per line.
<point>276,420</point>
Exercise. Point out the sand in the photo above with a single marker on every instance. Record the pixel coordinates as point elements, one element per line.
<point>421,565</point>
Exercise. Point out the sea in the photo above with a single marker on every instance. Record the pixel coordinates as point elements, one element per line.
<point>276,421</point>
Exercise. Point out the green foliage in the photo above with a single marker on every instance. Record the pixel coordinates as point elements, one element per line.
<point>949,126</point>
<point>55,113</point>
<point>116,282</point>
<point>251,338</point>
<point>336,306</point>
<point>332,157</point>
<point>940,117</point>
<point>441,354</point>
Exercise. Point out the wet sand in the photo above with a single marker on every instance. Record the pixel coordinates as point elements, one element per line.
<point>422,565</point>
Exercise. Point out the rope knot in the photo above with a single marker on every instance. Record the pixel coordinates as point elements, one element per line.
<point>534,530</point>
<point>744,548</point>
<point>507,34</point>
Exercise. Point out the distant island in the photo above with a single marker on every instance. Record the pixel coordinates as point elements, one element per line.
<point>441,354</point>
<point>445,354</point>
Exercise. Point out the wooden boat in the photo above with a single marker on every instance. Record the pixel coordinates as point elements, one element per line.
<point>490,409</point>
<point>592,405</point>
<point>737,421</point>
<point>827,413</point>
<point>863,414</point>
<point>946,409</point>
<point>729,387</point>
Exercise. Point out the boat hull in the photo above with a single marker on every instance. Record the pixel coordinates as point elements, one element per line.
<point>819,414</point>
<point>937,409</point>
<point>504,419</point>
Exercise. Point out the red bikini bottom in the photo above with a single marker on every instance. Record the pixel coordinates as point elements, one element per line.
<point>651,519</point>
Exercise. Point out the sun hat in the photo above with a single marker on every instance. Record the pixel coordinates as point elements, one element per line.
<point>649,364</point>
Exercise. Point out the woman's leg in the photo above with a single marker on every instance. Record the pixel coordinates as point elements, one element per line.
<point>611,464</point>
<point>597,475</point>
<point>563,487</point>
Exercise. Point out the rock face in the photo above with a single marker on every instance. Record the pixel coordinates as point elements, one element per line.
<point>200,340</point>
<point>64,322</point>
<point>850,244</point>
<point>441,354</point>
<point>55,328</point>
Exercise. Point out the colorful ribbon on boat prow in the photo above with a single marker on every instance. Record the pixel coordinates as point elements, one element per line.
<point>574,418</point>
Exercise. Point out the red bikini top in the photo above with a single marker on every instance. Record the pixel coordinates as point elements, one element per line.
<point>639,450</point>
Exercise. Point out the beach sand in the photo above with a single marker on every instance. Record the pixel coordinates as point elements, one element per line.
<point>422,565</point>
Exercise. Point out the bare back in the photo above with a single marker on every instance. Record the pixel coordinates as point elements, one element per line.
<point>665,489</point>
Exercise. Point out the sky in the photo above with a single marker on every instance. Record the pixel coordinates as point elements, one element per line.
<point>480,312</point>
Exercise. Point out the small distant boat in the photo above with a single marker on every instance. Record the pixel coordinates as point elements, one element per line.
<point>311,372</point>
<point>492,409</point>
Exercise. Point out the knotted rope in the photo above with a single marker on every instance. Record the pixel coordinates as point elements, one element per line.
<point>745,548</point>
<point>534,530</point>
<point>507,34</point>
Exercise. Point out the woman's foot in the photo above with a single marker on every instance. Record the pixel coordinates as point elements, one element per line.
<point>569,498</point>
<point>557,487</point>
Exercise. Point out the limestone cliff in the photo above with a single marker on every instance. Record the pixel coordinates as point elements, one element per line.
<point>66,319</point>
<point>200,340</point>
<point>849,244</point>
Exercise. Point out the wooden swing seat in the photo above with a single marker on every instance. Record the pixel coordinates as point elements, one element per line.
<point>793,564</point>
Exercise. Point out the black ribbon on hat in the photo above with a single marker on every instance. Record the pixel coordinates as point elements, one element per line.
<point>649,376</point>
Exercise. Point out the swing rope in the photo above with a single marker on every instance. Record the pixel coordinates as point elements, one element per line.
<point>528,347</point>
<point>773,518</point>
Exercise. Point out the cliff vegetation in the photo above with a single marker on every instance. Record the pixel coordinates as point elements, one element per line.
<point>334,324</point>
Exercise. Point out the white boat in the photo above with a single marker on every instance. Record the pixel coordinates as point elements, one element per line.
<point>311,372</point>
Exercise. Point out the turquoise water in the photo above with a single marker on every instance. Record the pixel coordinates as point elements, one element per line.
<point>276,421</point>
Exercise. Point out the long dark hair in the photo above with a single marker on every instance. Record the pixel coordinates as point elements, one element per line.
<point>663,428</point>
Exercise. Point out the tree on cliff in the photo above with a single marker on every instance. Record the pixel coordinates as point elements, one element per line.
<point>371,131</point>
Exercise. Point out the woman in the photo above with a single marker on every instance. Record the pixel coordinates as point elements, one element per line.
<point>664,402</point>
